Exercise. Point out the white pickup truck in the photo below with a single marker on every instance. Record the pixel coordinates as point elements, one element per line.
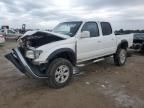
<point>52,55</point>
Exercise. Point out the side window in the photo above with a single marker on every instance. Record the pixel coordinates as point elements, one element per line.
<point>106,28</point>
<point>10,31</point>
<point>92,27</point>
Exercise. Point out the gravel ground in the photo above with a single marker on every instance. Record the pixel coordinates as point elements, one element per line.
<point>102,85</point>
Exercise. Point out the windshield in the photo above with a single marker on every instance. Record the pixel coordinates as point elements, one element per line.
<point>67,28</point>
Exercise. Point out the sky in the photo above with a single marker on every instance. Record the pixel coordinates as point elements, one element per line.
<point>45,14</point>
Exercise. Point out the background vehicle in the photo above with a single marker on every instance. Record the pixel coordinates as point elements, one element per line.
<point>2,39</point>
<point>52,55</point>
<point>138,43</point>
<point>10,34</point>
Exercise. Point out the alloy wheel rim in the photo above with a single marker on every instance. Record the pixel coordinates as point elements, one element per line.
<point>122,56</point>
<point>62,74</point>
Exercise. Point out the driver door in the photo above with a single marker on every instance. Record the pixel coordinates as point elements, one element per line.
<point>89,48</point>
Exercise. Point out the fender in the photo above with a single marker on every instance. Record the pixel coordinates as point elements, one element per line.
<point>123,42</point>
<point>71,55</point>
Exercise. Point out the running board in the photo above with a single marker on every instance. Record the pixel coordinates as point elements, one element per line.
<point>90,62</point>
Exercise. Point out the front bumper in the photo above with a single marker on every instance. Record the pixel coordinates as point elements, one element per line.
<point>17,58</point>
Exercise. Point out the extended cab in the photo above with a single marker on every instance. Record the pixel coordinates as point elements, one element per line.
<point>52,55</point>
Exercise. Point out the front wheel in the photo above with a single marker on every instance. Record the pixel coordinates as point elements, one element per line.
<point>120,57</point>
<point>59,73</point>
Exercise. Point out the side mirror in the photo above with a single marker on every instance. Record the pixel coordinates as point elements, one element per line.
<point>85,34</point>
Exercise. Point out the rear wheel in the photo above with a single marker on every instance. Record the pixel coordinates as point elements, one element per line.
<point>120,57</point>
<point>60,73</point>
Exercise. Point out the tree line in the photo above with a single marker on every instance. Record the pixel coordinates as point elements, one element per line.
<point>122,31</point>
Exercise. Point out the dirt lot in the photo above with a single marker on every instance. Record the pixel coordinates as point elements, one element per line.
<point>102,85</point>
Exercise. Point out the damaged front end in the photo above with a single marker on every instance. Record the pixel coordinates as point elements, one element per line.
<point>28,43</point>
<point>26,67</point>
<point>39,38</point>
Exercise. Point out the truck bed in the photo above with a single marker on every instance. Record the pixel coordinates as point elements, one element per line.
<point>128,37</point>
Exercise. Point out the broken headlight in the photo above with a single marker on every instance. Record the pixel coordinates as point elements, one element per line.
<point>33,54</point>
<point>30,54</point>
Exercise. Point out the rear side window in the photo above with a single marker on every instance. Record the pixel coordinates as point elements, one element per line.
<point>92,27</point>
<point>106,28</point>
<point>9,31</point>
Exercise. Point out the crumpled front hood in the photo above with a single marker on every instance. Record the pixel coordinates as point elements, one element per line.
<point>52,33</point>
<point>39,38</point>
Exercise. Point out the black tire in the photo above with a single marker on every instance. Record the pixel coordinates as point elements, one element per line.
<point>54,71</point>
<point>118,60</point>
